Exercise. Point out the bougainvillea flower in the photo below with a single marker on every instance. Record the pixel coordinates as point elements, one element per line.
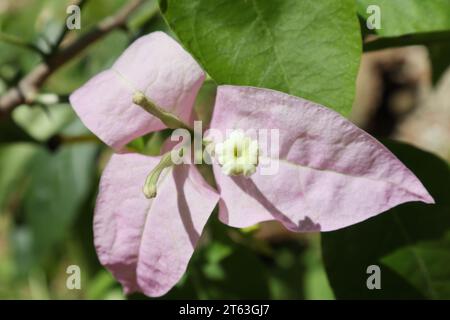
<point>331,173</point>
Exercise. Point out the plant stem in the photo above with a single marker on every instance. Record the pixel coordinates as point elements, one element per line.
<point>169,119</point>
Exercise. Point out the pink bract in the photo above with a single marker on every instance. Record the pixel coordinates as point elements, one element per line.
<point>147,244</point>
<point>154,64</point>
<point>331,173</point>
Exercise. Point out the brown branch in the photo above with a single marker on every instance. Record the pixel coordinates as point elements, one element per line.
<point>55,46</point>
<point>27,88</point>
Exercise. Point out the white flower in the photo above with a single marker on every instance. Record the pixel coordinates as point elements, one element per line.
<point>238,154</point>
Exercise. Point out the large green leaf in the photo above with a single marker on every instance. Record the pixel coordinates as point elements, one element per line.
<point>410,243</point>
<point>399,17</point>
<point>306,48</point>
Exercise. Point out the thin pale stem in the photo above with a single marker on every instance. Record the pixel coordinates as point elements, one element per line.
<point>151,182</point>
<point>169,119</point>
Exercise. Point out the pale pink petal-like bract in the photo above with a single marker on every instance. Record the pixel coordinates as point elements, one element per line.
<point>331,174</point>
<point>147,244</point>
<point>155,64</point>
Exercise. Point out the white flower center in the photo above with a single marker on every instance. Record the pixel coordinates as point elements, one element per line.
<point>238,154</point>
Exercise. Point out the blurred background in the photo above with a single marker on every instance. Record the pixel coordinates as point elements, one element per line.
<point>50,164</point>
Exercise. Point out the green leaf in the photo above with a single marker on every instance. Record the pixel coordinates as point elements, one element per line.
<point>41,124</point>
<point>410,243</point>
<point>100,286</point>
<point>399,17</point>
<point>14,159</point>
<point>316,284</point>
<point>309,49</point>
<point>60,182</point>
